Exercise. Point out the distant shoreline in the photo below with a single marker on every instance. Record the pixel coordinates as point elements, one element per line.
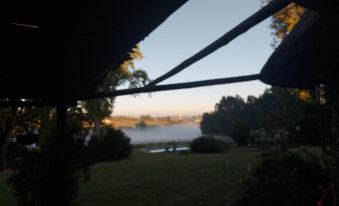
<point>128,122</point>
<point>155,125</point>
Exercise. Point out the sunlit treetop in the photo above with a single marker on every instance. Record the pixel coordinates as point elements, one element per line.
<point>284,21</point>
<point>135,54</point>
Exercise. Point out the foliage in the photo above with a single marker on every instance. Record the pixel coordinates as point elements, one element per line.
<point>142,123</point>
<point>275,110</point>
<point>240,133</point>
<point>286,178</point>
<point>207,144</point>
<point>29,181</point>
<point>262,138</point>
<point>221,120</point>
<point>97,110</point>
<point>284,21</point>
<point>33,182</point>
<point>113,145</point>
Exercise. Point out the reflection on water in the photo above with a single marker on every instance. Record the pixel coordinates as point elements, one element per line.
<point>177,133</point>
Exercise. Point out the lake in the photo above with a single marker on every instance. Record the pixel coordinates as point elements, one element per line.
<point>176,132</point>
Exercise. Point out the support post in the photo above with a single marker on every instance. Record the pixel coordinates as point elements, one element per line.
<point>59,162</point>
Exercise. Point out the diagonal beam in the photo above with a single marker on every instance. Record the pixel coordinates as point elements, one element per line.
<point>176,86</point>
<point>166,87</point>
<point>241,28</point>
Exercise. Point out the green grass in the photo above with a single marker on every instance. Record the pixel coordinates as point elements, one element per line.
<point>161,179</point>
<point>6,197</point>
<point>166,179</point>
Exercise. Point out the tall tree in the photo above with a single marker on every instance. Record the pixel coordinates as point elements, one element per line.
<point>97,110</point>
<point>276,109</point>
<point>284,21</point>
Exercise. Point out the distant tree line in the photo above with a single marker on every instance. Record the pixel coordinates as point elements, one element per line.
<point>277,112</point>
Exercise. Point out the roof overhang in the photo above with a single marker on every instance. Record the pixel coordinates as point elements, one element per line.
<point>61,50</point>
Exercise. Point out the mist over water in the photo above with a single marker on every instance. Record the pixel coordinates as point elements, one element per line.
<point>177,132</point>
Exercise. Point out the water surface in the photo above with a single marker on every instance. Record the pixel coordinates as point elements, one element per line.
<point>176,132</point>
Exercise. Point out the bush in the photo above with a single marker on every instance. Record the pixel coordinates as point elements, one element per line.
<point>285,178</point>
<point>41,177</point>
<point>240,133</point>
<point>277,138</point>
<point>114,145</point>
<point>207,144</point>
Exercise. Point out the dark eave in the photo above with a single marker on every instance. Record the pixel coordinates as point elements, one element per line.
<point>59,53</point>
<point>308,56</point>
<point>60,50</point>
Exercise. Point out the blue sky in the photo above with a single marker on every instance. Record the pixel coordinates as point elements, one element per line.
<point>192,27</point>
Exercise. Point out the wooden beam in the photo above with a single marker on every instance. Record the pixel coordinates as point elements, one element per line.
<point>145,89</point>
<point>176,86</point>
<point>241,28</point>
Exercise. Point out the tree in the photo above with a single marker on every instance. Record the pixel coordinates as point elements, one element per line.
<point>97,110</point>
<point>94,110</point>
<point>275,110</point>
<point>222,120</point>
<point>114,145</point>
<point>49,174</point>
<point>284,21</point>
<point>229,104</point>
<point>43,120</point>
<point>240,133</point>
<point>286,177</point>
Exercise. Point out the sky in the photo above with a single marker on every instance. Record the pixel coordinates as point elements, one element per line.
<point>192,27</point>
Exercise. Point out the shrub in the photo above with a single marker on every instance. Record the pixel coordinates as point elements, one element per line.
<point>285,178</point>
<point>240,133</point>
<point>277,138</point>
<point>207,144</point>
<point>114,145</point>
<point>39,173</point>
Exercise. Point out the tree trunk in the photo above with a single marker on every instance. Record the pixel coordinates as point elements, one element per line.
<point>59,164</point>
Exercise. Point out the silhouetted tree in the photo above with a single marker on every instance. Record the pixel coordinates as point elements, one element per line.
<point>275,109</point>
<point>113,145</point>
<point>97,110</point>
<point>240,133</point>
<point>43,120</point>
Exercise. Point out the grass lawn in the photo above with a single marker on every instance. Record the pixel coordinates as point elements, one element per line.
<point>166,179</point>
<point>6,197</point>
<point>161,179</point>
